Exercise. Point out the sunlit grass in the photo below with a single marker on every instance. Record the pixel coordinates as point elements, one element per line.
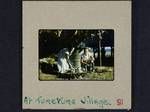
<point>100,73</point>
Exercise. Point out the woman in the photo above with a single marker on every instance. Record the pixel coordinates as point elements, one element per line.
<point>63,61</point>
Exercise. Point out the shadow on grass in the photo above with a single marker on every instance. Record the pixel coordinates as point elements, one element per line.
<point>100,73</point>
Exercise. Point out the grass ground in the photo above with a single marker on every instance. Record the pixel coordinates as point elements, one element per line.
<point>100,73</point>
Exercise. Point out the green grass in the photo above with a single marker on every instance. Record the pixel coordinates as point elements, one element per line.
<point>101,73</point>
<point>99,76</point>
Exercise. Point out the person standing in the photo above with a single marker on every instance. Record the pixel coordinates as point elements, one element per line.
<point>87,60</point>
<point>62,63</point>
